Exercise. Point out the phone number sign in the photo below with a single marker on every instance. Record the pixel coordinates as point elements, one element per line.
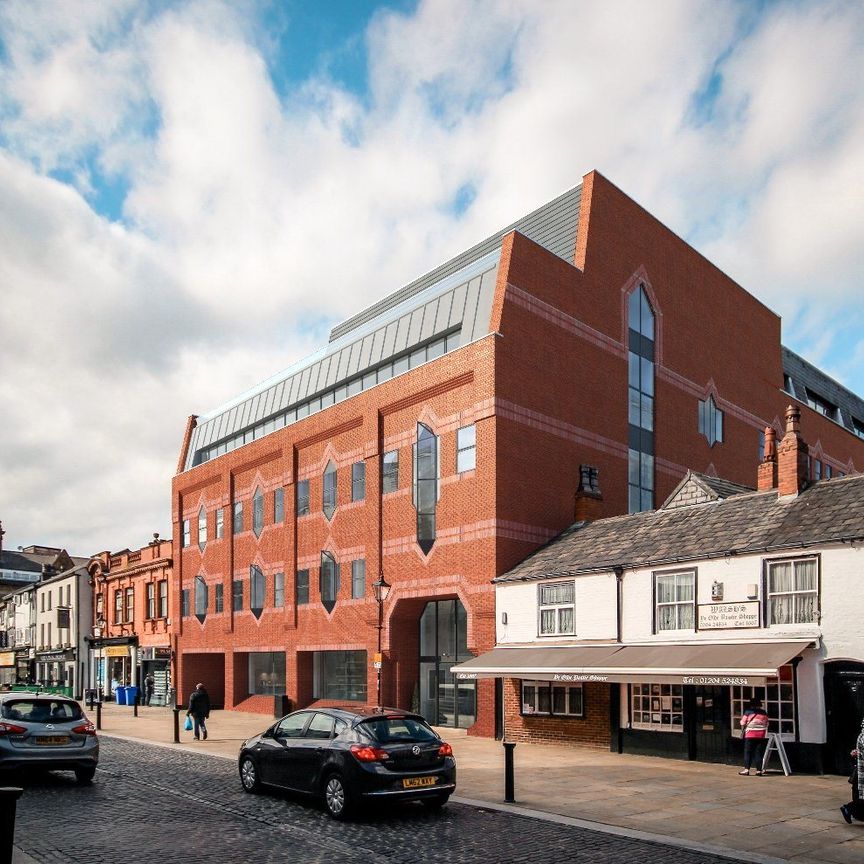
<point>728,616</point>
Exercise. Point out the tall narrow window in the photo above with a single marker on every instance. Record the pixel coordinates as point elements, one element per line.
<point>219,598</point>
<point>793,591</point>
<point>329,581</point>
<point>302,497</point>
<point>201,598</point>
<point>466,448</point>
<point>237,520</point>
<point>390,472</point>
<point>358,578</point>
<point>130,604</point>
<point>220,523</point>
<point>641,402</point>
<point>329,497</point>
<point>184,602</point>
<point>163,598</point>
<point>187,533</point>
<point>256,590</point>
<point>425,485</point>
<point>302,587</point>
<point>358,481</point>
<point>151,599</point>
<point>237,595</point>
<point>118,607</point>
<point>279,590</point>
<point>202,529</point>
<point>258,511</point>
<point>711,421</point>
<point>278,505</point>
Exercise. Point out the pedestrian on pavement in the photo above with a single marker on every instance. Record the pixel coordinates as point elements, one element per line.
<point>754,722</point>
<point>199,709</point>
<point>855,808</point>
<point>149,686</point>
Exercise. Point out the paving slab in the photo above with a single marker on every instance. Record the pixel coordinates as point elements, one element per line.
<point>771,818</point>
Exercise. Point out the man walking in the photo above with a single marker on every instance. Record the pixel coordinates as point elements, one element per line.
<point>199,709</point>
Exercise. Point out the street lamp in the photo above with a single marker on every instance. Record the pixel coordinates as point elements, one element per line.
<point>382,590</point>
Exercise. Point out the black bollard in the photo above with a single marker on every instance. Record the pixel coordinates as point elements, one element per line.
<point>176,724</point>
<point>9,796</point>
<point>135,706</point>
<point>99,714</point>
<point>509,796</point>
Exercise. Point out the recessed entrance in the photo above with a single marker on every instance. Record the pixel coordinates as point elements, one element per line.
<point>445,701</point>
<point>844,707</point>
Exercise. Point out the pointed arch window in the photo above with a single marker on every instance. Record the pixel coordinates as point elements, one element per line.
<point>329,502</point>
<point>328,581</point>
<point>426,460</point>
<point>640,380</point>
<point>201,598</point>
<point>711,421</point>
<point>257,588</point>
<point>258,511</point>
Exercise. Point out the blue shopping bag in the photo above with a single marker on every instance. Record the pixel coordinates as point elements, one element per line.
<point>188,724</point>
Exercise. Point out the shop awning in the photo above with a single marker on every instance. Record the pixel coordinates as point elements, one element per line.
<point>736,664</point>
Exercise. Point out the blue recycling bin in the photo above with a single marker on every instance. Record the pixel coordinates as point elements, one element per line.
<point>120,695</point>
<point>131,695</point>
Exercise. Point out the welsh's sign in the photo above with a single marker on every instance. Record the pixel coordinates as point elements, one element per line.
<point>728,616</point>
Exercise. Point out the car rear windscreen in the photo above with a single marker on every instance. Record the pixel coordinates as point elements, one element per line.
<point>41,710</point>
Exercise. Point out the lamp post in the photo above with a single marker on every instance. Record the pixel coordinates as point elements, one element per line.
<point>382,590</point>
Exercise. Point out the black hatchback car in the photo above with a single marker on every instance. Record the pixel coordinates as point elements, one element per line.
<point>350,756</point>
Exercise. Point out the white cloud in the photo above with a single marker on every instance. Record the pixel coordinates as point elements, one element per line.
<point>255,217</point>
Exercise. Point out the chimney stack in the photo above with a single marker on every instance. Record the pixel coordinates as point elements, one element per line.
<point>589,501</point>
<point>792,459</point>
<point>767,476</point>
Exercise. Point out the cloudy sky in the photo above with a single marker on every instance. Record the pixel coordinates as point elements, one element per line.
<point>192,193</point>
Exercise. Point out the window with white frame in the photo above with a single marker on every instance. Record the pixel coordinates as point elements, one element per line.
<point>793,591</point>
<point>187,533</point>
<point>202,528</point>
<point>220,523</point>
<point>778,700</point>
<point>557,608</point>
<point>466,448</point>
<point>659,707</point>
<point>675,601</point>
<point>553,700</point>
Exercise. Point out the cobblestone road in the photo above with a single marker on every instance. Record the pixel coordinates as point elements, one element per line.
<point>154,804</point>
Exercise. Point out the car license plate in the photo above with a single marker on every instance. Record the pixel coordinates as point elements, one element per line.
<point>51,740</point>
<point>418,782</point>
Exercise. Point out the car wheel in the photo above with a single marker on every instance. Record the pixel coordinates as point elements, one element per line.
<point>249,776</point>
<point>85,775</point>
<point>437,802</point>
<point>336,798</point>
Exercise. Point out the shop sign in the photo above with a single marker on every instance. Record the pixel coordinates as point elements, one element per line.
<point>117,651</point>
<point>7,658</point>
<point>728,616</point>
<point>155,653</point>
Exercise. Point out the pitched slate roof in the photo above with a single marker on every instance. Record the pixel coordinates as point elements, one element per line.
<point>830,511</point>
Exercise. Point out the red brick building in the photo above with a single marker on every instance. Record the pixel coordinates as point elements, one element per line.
<point>438,438</point>
<point>131,624</point>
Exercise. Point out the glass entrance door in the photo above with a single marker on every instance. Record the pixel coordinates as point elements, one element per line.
<point>444,701</point>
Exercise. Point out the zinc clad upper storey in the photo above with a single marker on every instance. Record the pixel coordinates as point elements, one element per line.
<point>447,308</point>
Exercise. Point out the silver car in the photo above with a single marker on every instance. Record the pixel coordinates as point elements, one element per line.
<point>44,732</point>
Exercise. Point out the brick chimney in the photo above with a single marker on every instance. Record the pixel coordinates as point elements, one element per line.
<point>589,501</point>
<point>792,459</point>
<point>767,476</point>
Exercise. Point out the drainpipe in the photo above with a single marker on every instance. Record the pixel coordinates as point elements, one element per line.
<point>619,604</point>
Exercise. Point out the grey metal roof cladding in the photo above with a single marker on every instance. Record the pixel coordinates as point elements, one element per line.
<point>552,226</point>
<point>805,376</point>
<point>457,295</point>
<point>459,302</point>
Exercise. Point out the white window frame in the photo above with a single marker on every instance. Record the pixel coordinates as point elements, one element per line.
<point>543,693</point>
<point>797,564</point>
<point>657,707</point>
<point>466,454</point>
<point>680,578</point>
<point>778,699</point>
<point>556,609</point>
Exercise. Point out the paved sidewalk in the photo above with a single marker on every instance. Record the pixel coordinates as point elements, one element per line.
<point>693,804</point>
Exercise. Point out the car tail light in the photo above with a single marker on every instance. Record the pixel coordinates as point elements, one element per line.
<point>445,750</point>
<point>85,729</point>
<point>367,753</point>
<point>11,729</point>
